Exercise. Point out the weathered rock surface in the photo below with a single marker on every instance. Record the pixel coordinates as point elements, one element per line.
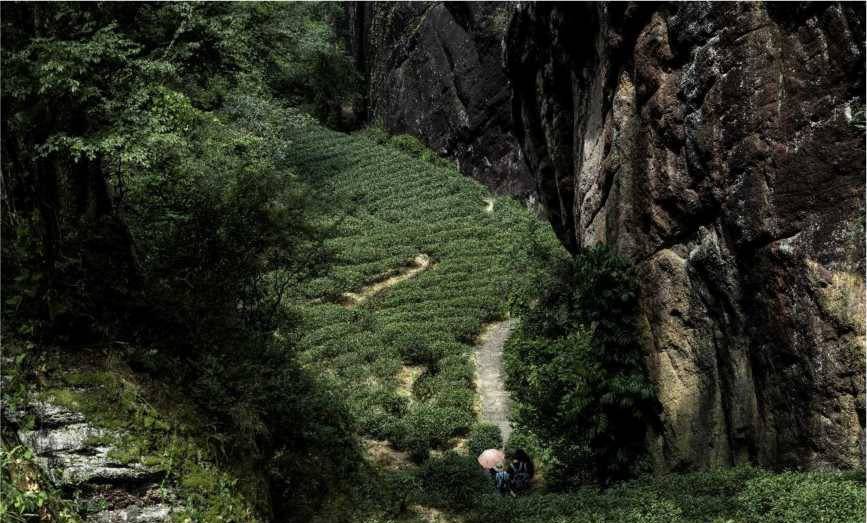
<point>77,455</point>
<point>434,70</point>
<point>716,145</point>
<point>136,514</point>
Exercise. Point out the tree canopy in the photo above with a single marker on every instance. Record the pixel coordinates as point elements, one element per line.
<point>131,128</point>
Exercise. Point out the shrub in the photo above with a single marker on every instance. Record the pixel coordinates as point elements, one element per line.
<point>374,133</point>
<point>408,144</point>
<point>429,426</point>
<point>648,510</point>
<point>416,351</point>
<point>436,388</point>
<point>484,436</point>
<point>791,497</point>
<point>453,481</point>
<point>706,495</point>
<point>577,372</point>
<point>397,489</point>
<point>454,397</point>
<point>405,143</point>
<point>457,369</point>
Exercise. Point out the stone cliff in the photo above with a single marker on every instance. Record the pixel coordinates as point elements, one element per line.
<point>721,147</point>
<point>434,70</point>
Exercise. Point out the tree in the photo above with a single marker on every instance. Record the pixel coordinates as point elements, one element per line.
<point>110,108</point>
<point>147,198</point>
<point>577,372</point>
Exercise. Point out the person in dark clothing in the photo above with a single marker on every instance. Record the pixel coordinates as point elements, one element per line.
<point>520,471</point>
<point>522,456</point>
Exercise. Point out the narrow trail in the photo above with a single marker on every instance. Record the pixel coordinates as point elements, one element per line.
<point>351,299</point>
<point>490,376</point>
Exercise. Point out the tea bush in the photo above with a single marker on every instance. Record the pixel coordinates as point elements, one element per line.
<point>787,497</point>
<point>403,142</point>
<point>453,481</point>
<point>743,494</point>
<point>484,436</point>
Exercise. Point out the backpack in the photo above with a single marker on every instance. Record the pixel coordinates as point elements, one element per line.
<point>521,477</point>
<point>502,479</point>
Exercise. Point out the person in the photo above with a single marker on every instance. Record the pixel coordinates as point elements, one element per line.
<point>522,456</point>
<point>501,479</point>
<point>521,471</point>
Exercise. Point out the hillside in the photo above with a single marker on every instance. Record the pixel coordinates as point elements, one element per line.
<point>402,358</point>
<point>718,146</point>
<point>614,272</point>
<point>390,327</point>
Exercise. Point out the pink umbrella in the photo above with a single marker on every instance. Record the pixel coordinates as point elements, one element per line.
<point>491,457</point>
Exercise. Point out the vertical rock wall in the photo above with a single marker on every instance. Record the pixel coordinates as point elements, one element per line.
<point>434,70</point>
<point>717,145</point>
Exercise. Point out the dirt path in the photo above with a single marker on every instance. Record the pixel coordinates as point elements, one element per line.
<point>419,263</point>
<point>489,204</point>
<point>490,376</point>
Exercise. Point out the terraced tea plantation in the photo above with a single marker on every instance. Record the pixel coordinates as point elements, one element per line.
<point>419,261</point>
<point>400,354</point>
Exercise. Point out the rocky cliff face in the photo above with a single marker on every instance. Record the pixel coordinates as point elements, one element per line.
<point>434,70</point>
<point>717,145</point>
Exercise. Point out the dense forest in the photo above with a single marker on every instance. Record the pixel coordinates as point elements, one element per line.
<point>285,261</point>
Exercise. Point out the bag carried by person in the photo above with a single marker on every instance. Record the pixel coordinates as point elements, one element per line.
<point>520,477</point>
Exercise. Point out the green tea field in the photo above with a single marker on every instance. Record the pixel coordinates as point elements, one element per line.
<point>420,261</point>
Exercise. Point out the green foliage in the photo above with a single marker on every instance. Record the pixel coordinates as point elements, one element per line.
<point>484,436</point>
<point>223,226</point>
<point>112,108</point>
<point>429,426</point>
<point>416,351</point>
<point>742,494</point>
<point>150,200</point>
<point>406,143</point>
<point>822,498</point>
<point>576,370</point>
<point>24,495</point>
<point>453,481</point>
<point>457,486</point>
<point>386,208</point>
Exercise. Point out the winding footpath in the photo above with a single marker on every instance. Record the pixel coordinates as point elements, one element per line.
<point>495,404</point>
<point>490,376</point>
<point>419,263</point>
